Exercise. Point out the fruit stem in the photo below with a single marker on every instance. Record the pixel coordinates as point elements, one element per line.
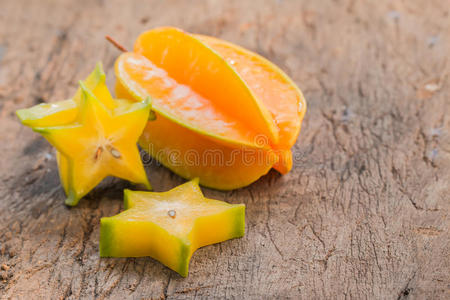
<point>115,43</point>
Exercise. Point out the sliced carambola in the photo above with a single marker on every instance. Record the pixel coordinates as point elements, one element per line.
<point>175,89</point>
<point>170,226</point>
<point>65,112</point>
<point>101,143</point>
<point>180,103</point>
<point>49,114</point>
<point>275,89</point>
<point>63,163</point>
<point>190,154</point>
<point>195,87</point>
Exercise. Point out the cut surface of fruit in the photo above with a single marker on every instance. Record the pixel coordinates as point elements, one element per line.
<point>275,89</point>
<point>193,64</point>
<point>191,155</point>
<point>180,103</point>
<point>170,226</point>
<point>101,144</point>
<point>49,114</point>
<point>63,163</point>
<point>65,112</point>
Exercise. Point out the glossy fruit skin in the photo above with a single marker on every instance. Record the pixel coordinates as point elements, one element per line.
<point>66,112</point>
<point>181,104</point>
<point>53,118</point>
<point>96,82</point>
<point>145,228</point>
<point>268,84</point>
<point>192,155</point>
<point>192,63</point>
<point>101,143</point>
<point>48,114</point>
<point>273,87</point>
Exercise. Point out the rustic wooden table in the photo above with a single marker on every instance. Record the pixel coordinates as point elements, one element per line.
<point>363,214</point>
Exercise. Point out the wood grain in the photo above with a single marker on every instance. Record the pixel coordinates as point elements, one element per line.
<point>363,214</point>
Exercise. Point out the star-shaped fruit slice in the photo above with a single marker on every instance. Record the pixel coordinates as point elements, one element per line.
<point>66,111</point>
<point>100,143</point>
<point>170,226</point>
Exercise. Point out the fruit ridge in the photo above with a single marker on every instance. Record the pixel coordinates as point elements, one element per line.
<point>94,134</point>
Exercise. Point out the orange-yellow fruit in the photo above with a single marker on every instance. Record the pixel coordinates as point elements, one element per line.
<point>190,154</point>
<point>212,96</point>
<point>275,89</point>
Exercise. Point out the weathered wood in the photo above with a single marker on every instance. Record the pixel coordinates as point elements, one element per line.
<point>363,214</point>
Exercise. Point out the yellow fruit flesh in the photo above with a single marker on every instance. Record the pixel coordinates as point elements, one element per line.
<point>65,112</point>
<point>63,164</point>
<point>192,63</point>
<point>79,178</point>
<point>270,86</point>
<point>101,144</point>
<point>180,103</point>
<point>49,114</point>
<point>146,227</point>
<point>96,83</point>
<point>276,90</point>
<point>192,155</point>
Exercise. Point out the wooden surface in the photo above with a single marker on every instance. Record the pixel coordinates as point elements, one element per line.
<point>363,214</point>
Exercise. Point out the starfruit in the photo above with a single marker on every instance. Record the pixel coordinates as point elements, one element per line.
<point>170,226</point>
<point>224,114</point>
<point>95,136</point>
